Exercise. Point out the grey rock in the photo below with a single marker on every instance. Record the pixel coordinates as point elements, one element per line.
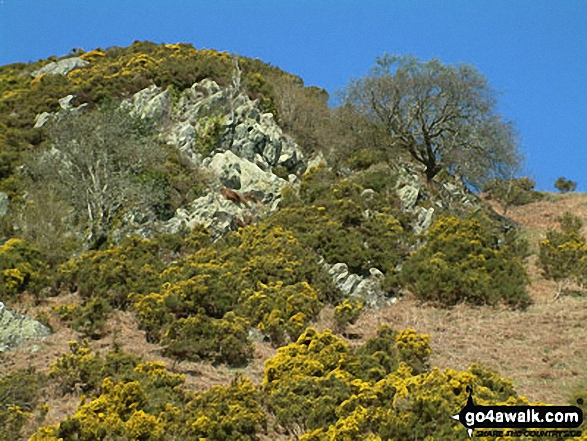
<point>276,204</point>
<point>408,195</point>
<point>368,289</point>
<point>424,219</point>
<point>338,269</point>
<point>152,103</point>
<point>61,67</point>
<point>17,329</point>
<point>41,119</point>
<point>212,211</point>
<point>252,179</point>
<point>65,102</point>
<point>4,202</point>
<point>350,284</point>
<point>316,161</point>
<point>375,273</point>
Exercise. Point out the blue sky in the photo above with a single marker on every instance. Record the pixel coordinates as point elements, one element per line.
<point>534,52</point>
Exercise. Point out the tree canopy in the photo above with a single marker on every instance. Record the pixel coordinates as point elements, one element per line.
<point>444,116</point>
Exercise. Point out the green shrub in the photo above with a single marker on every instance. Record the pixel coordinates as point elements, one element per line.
<point>465,260</point>
<point>343,229</point>
<point>91,318</point>
<point>114,273</point>
<point>226,413</point>
<point>379,178</point>
<point>201,337</point>
<point>320,389</point>
<point>82,370</point>
<point>78,369</point>
<point>22,268</point>
<point>209,131</point>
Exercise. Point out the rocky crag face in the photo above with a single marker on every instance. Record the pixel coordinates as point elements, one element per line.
<point>249,144</point>
<point>226,134</point>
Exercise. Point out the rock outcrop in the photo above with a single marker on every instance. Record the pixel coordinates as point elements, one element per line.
<point>368,289</point>
<point>152,103</point>
<point>411,190</point>
<point>66,109</point>
<point>217,213</point>
<point>246,130</point>
<point>241,174</point>
<point>17,329</point>
<point>61,67</point>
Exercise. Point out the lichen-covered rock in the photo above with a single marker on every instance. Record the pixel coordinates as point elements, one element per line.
<point>246,130</point>
<point>61,67</point>
<point>41,119</point>
<point>151,103</point>
<point>240,174</point>
<point>65,102</point>
<point>369,290</point>
<point>17,329</point>
<point>408,195</point>
<point>218,212</point>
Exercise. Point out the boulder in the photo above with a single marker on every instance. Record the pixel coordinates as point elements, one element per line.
<point>424,219</point>
<point>368,290</point>
<point>17,329</point>
<point>316,161</point>
<point>61,67</point>
<point>65,102</point>
<point>41,119</point>
<point>66,109</point>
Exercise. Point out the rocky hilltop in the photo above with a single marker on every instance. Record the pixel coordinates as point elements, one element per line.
<point>194,244</point>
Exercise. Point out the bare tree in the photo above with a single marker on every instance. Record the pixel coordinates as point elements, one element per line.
<point>443,116</point>
<point>99,163</point>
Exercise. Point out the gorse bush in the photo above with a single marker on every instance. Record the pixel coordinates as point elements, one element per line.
<point>136,400</point>
<point>466,260</point>
<point>223,413</point>
<point>347,313</point>
<point>317,388</point>
<point>200,337</point>
<point>22,267</point>
<point>321,389</point>
<point>114,273</point>
<point>281,311</point>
